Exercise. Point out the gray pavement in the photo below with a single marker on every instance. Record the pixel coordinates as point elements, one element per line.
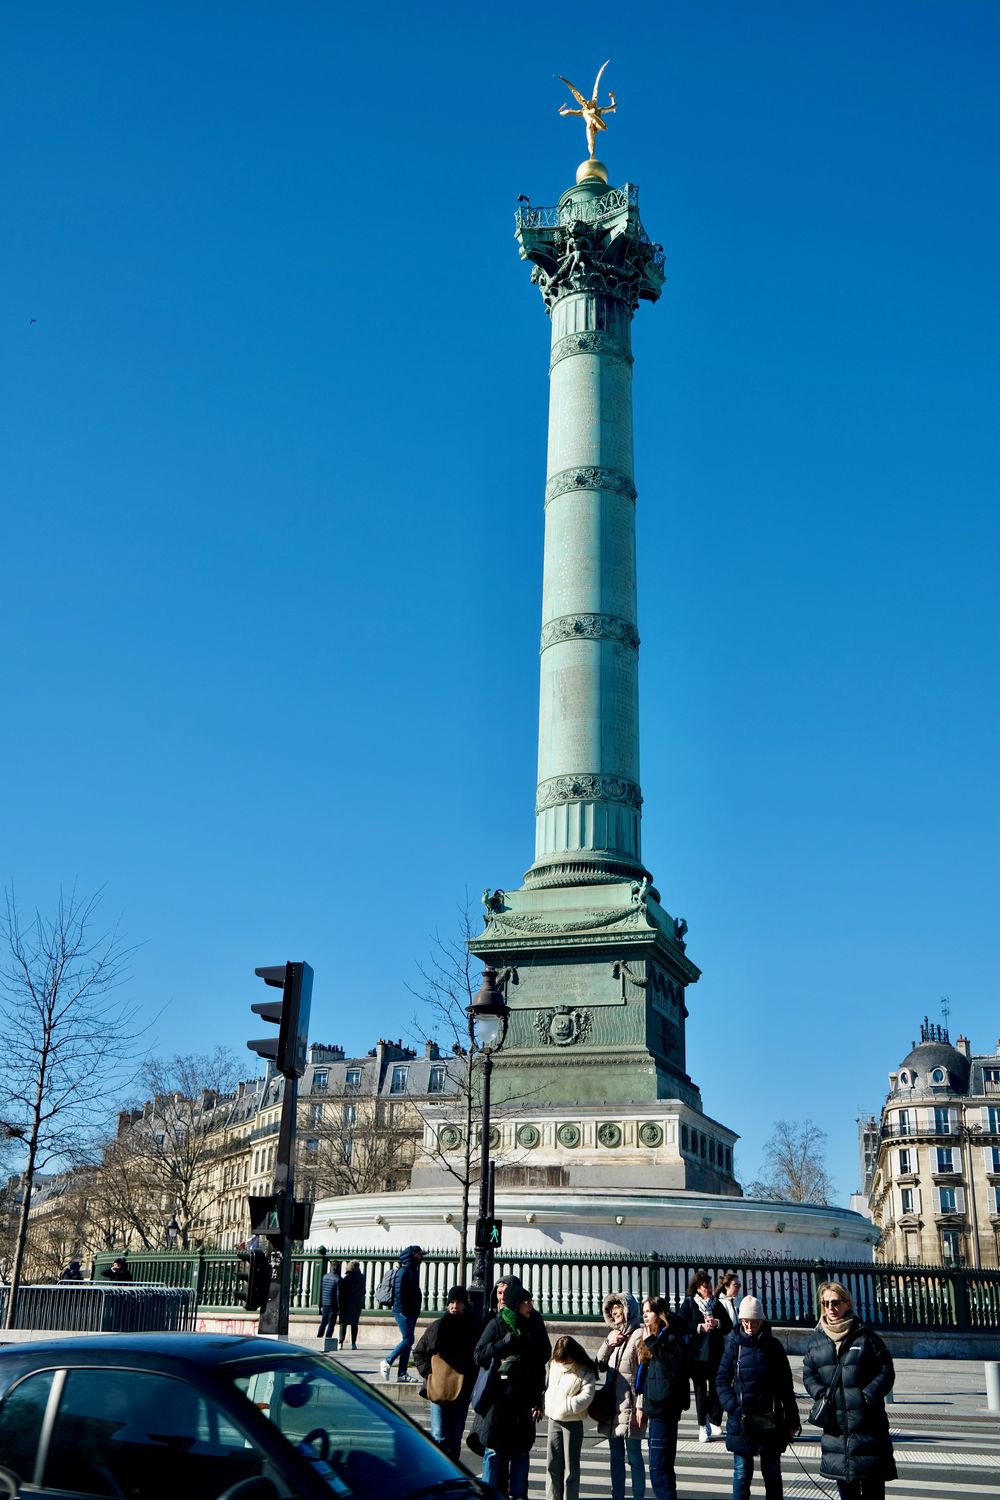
<point>947,1443</point>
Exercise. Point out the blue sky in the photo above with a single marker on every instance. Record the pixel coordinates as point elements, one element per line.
<point>272,471</point>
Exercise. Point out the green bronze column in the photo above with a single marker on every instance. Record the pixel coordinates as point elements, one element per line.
<point>593,262</point>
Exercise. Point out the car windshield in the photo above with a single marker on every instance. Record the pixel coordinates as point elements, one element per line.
<point>360,1446</point>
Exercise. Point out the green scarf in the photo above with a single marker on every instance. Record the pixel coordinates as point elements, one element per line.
<point>508,1317</point>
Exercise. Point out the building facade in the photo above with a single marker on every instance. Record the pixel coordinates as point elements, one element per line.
<point>934,1189</point>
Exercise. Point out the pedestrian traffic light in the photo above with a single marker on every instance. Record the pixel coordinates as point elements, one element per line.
<point>290,1014</point>
<point>489,1234</point>
<point>255,1281</point>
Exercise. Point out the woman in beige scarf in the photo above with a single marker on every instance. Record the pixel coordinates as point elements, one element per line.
<point>856,1447</point>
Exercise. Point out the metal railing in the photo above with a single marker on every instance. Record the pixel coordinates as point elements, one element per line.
<point>84,1308</point>
<point>573,1287</point>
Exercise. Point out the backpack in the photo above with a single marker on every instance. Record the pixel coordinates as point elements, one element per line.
<point>384,1292</point>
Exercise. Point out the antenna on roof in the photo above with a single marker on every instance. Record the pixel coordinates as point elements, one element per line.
<point>945,1009</point>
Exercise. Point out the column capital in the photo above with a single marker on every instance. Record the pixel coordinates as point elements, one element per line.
<point>591,241</point>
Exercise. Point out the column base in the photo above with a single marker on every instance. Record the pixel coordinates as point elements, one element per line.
<point>580,867</point>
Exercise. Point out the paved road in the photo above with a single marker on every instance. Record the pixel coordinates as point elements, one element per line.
<point>947,1444</point>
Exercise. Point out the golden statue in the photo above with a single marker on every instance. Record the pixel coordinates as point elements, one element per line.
<point>593,114</point>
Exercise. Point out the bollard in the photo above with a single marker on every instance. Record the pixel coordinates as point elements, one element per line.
<point>992,1385</point>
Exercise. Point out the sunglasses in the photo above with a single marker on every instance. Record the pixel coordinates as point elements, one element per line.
<point>835,1302</point>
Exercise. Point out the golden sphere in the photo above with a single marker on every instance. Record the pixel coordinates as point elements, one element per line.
<point>592,168</point>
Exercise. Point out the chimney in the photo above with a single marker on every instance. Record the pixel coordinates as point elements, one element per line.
<point>431,1051</point>
<point>893,1081</point>
<point>962,1045</point>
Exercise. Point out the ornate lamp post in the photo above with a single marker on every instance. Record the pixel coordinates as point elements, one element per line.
<point>488,1015</point>
<point>171,1231</point>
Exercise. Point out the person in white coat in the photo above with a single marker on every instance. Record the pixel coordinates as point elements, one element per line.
<point>568,1393</point>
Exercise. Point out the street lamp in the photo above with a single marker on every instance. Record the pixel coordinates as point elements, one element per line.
<point>171,1229</point>
<point>488,1017</point>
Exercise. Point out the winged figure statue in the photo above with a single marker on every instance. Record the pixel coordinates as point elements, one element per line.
<point>592,113</point>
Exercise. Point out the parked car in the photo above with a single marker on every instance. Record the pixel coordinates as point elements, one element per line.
<point>207,1417</point>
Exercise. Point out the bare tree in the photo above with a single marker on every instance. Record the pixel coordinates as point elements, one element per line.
<point>68,1040</point>
<point>448,987</point>
<point>159,1164</point>
<point>794,1167</point>
<point>354,1149</point>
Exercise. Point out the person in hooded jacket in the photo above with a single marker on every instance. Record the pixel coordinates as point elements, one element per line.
<point>662,1391</point>
<point>618,1356</point>
<point>754,1384</point>
<point>350,1302</point>
<point>407,1300</point>
<point>453,1339</point>
<point>515,1348</point>
<point>856,1447</point>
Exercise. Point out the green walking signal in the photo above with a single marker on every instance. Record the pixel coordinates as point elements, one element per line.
<point>489,1234</point>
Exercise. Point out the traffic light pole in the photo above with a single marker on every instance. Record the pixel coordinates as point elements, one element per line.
<point>274,1314</point>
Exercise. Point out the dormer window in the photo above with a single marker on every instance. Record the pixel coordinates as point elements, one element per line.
<point>904,1078</point>
<point>939,1076</point>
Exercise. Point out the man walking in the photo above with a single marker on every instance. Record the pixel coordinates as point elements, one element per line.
<point>329,1299</point>
<point>407,1300</point>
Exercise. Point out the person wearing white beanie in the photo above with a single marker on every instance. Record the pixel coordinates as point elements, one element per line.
<point>754,1385</point>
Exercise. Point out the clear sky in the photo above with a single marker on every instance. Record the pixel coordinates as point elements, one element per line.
<point>272,465</point>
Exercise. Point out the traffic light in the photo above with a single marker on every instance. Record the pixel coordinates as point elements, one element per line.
<point>290,1014</point>
<point>489,1234</point>
<point>255,1281</point>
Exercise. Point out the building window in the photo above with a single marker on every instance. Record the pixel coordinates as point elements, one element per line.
<point>398,1084</point>
<point>435,1084</point>
<point>942,1120</point>
<point>993,1118</point>
<point>904,1078</point>
<point>906,1162</point>
<point>996,1200</point>
<point>951,1247</point>
<point>353,1078</point>
<point>903,1126</point>
<point>321,1080</point>
<point>945,1159</point>
<point>312,1146</point>
<point>711,1152</point>
<point>993,1158</point>
<point>350,1114</point>
<point>947,1202</point>
<point>729,1159</point>
<point>703,1146</point>
<point>346,1151</point>
<point>315,1114</point>
<point>685,1138</point>
<point>906,1200</point>
<point>939,1076</point>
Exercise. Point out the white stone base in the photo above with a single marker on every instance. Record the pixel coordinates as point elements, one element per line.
<point>634,1221</point>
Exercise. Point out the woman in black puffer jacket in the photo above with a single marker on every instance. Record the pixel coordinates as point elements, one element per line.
<point>857,1449</point>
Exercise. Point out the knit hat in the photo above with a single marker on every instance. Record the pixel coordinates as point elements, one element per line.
<point>458,1294</point>
<point>751,1308</point>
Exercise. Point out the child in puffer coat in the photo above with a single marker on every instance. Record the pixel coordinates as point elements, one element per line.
<point>568,1393</point>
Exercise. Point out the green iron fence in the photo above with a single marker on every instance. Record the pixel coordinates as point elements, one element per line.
<point>572,1287</point>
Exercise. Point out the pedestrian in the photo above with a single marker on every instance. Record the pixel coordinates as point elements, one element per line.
<point>72,1272</point>
<point>728,1293</point>
<point>754,1384</point>
<point>328,1299</point>
<point>117,1271</point>
<point>848,1363</point>
<point>618,1355</point>
<point>407,1300</point>
<point>445,1357</point>
<point>663,1391</point>
<point>514,1349</point>
<point>708,1324</point>
<point>569,1391</point>
<point>350,1299</point>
